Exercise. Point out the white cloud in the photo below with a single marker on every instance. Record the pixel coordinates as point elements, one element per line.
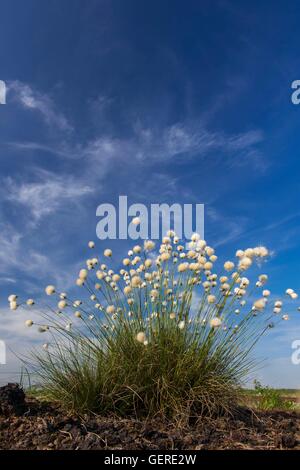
<point>9,246</point>
<point>33,100</point>
<point>48,194</point>
<point>232,229</point>
<point>60,150</point>
<point>19,341</point>
<point>244,140</point>
<point>18,260</point>
<point>184,139</point>
<point>146,145</point>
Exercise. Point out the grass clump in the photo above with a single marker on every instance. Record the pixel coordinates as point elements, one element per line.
<point>162,335</point>
<point>271,399</point>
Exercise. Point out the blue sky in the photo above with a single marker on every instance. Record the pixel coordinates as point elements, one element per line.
<point>185,102</point>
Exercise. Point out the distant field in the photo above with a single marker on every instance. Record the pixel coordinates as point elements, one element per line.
<point>251,396</point>
<point>290,392</point>
<point>288,395</point>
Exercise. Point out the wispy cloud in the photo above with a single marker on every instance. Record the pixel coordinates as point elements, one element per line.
<point>13,257</point>
<point>150,146</point>
<point>47,194</point>
<point>144,144</point>
<point>60,150</point>
<point>9,245</point>
<point>188,140</point>
<point>34,100</point>
<point>141,149</point>
<point>19,341</point>
<point>20,260</point>
<point>232,229</point>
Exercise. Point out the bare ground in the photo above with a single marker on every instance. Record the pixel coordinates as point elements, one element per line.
<point>26,423</point>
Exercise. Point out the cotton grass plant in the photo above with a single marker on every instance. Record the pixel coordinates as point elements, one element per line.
<point>164,334</point>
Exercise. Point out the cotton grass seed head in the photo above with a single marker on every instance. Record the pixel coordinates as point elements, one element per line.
<point>208,266</point>
<point>136,281</point>
<point>215,322</point>
<point>263,278</point>
<point>110,309</point>
<point>12,297</point>
<point>209,251</point>
<point>211,299</point>
<point>228,266</point>
<point>260,304</point>
<point>201,244</point>
<point>136,221</point>
<point>83,274</point>
<point>245,263</point>
<point>239,253</point>
<point>50,290</point>
<point>195,237</point>
<point>149,245</point>
<point>42,329</point>
<point>127,290</point>
<point>261,251</point>
<point>165,256</point>
<point>182,267</point>
<point>141,337</point>
<point>62,304</point>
